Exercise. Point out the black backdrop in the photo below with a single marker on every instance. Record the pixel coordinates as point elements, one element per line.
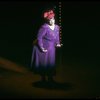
<point>19,22</point>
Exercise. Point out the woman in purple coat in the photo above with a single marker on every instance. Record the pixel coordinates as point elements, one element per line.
<point>43,54</point>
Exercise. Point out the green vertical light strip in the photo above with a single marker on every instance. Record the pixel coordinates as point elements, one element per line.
<point>60,21</point>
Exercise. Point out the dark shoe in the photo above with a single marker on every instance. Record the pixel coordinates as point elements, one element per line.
<point>43,78</point>
<point>51,80</point>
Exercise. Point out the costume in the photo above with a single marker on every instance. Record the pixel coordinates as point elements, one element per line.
<point>44,62</point>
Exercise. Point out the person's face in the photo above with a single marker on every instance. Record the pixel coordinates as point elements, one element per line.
<point>52,21</point>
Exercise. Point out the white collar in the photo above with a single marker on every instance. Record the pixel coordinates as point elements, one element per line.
<point>52,27</point>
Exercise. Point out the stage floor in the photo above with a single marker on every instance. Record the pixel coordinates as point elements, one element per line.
<point>73,80</point>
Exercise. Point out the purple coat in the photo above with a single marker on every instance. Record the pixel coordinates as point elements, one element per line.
<point>48,39</point>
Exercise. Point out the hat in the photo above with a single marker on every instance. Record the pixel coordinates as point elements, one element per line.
<point>49,14</point>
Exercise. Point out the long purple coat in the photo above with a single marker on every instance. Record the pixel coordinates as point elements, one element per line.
<point>44,63</point>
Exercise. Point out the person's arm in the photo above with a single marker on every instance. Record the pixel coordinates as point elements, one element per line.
<point>41,33</point>
<point>57,38</point>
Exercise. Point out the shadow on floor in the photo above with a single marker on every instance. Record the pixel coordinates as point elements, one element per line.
<point>52,85</point>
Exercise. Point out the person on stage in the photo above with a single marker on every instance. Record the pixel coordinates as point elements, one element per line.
<point>43,54</point>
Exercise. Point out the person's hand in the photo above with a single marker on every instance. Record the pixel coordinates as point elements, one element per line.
<point>59,45</point>
<point>44,50</point>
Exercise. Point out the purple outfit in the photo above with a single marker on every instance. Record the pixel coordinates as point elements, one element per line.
<point>44,63</point>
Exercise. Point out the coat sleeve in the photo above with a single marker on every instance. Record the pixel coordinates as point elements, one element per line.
<point>41,33</point>
<point>58,37</point>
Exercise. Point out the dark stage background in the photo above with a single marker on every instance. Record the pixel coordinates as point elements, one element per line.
<point>19,22</point>
<point>78,61</point>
